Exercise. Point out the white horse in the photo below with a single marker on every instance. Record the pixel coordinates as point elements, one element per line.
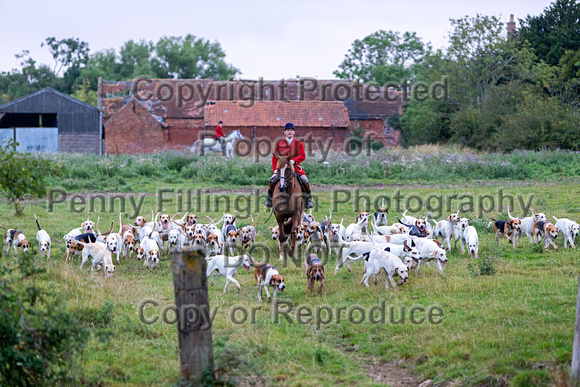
<point>202,146</point>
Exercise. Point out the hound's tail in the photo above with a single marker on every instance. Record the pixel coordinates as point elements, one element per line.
<point>110,230</point>
<point>259,265</point>
<point>400,221</point>
<point>4,227</point>
<point>37,225</point>
<point>492,219</point>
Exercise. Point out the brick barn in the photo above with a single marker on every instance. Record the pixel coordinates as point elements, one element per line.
<point>264,121</point>
<point>137,124</point>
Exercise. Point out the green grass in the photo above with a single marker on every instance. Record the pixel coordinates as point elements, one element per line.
<point>516,323</point>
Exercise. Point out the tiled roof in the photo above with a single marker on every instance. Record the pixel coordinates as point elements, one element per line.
<point>274,113</point>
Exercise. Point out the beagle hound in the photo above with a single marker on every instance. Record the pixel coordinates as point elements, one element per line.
<point>228,219</point>
<point>213,246</point>
<point>248,234</point>
<point>89,226</point>
<point>470,238</point>
<point>417,229</point>
<point>316,236</point>
<point>149,249</point>
<point>547,231</point>
<point>392,264</point>
<point>267,275</point>
<point>510,228</point>
<point>363,219</point>
<point>228,266</point>
<point>43,239</point>
<point>101,257</point>
<point>446,229</point>
<point>381,215</point>
<point>569,228</point>
<point>232,237</point>
<point>186,219</point>
<point>15,238</point>
<point>314,271</point>
<point>127,233</point>
<point>429,251</point>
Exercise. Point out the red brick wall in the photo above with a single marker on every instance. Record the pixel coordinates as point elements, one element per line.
<point>390,138</point>
<point>134,130</point>
<point>335,135</point>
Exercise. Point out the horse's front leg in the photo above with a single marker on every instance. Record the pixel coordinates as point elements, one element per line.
<point>283,243</point>
<point>293,241</point>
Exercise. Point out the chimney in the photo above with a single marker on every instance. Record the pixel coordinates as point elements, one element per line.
<point>511,26</point>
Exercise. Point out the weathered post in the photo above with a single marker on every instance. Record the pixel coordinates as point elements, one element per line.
<point>575,373</point>
<point>193,326</point>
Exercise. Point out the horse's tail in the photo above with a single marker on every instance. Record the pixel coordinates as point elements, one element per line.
<point>194,147</point>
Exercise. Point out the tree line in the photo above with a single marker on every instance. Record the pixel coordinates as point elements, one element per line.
<point>76,71</point>
<point>518,90</point>
<point>507,91</point>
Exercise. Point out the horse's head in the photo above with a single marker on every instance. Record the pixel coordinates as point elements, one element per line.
<point>285,169</point>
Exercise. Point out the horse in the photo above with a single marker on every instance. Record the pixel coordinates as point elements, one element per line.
<point>287,202</point>
<point>202,146</point>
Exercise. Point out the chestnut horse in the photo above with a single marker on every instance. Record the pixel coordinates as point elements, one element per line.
<point>287,202</point>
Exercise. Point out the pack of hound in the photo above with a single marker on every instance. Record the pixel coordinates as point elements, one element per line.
<point>405,245</point>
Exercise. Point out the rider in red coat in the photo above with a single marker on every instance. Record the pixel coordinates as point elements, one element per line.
<point>219,135</point>
<point>296,148</point>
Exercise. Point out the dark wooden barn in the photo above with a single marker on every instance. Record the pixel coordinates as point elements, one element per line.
<point>51,121</point>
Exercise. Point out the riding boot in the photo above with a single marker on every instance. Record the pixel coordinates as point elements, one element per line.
<point>308,195</point>
<point>268,202</point>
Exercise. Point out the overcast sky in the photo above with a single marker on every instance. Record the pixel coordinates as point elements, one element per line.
<point>269,39</point>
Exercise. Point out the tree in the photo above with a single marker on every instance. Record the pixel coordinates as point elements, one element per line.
<point>139,59</point>
<point>383,56</point>
<point>193,58</point>
<point>31,78</point>
<point>489,77</point>
<point>554,32</point>
<point>23,174</point>
<point>67,53</point>
<point>84,93</point>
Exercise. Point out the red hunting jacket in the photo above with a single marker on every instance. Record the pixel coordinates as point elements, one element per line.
<point>218,132</point>
<point>297,149</point>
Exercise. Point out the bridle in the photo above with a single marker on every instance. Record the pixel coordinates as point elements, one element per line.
<point>289,180</point>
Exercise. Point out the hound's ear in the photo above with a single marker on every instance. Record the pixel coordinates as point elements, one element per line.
<point>433,253</point>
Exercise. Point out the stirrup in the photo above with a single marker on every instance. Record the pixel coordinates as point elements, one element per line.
<point>268,202</point>
<point>309,203</point>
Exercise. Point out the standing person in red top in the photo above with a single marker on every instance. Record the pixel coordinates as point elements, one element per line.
<point>219,135</point>
<point>296,148</point>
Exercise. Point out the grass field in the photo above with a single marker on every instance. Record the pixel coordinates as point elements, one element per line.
<point>517,324</point>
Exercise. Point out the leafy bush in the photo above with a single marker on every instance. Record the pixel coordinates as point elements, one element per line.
<point>23,174</point>
<point>481,266</point>
<point>40,342</point>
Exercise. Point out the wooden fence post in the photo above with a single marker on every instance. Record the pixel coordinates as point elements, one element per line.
<point>575,373</point>
<point>193,325</point>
